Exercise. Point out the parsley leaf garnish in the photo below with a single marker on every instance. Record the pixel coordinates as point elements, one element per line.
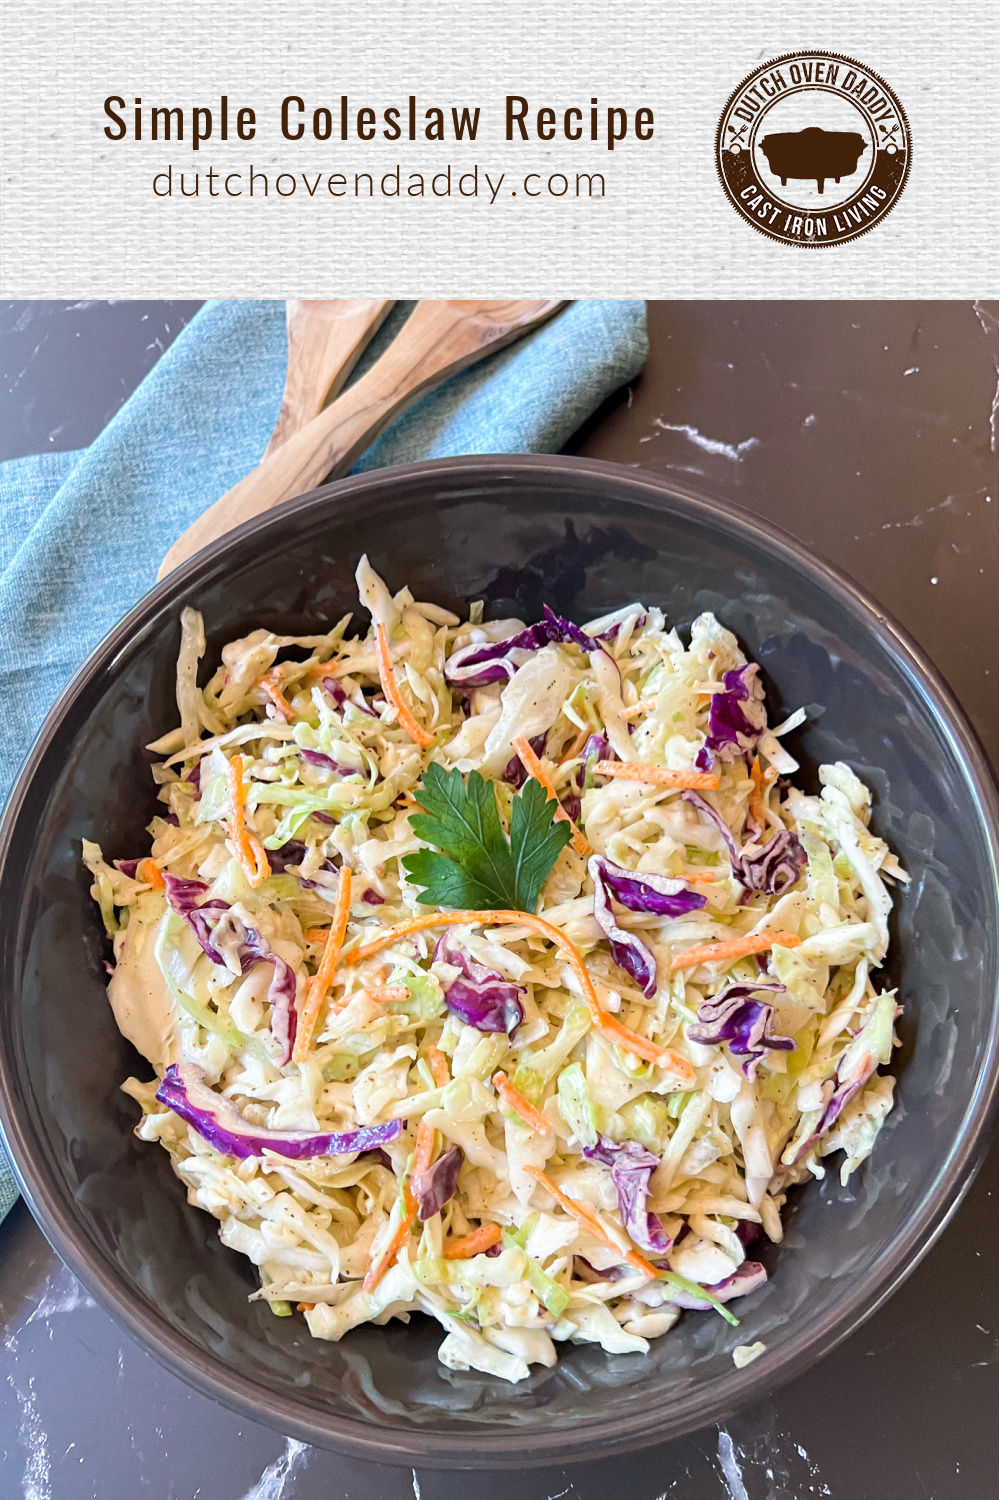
<point>472,864</point>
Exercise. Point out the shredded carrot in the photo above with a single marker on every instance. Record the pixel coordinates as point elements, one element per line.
<point>633,770</point>
<point>644,706</point>
<point>323,669</point>
<point>756,803</point>
<point>383,994</point>
<point>664,1057</point>
<point>423,1150</point>
<point>713,953</point>
<point>270,683</point>
<point>592,1224</point>
<point>421,1161</point>
<point>151,874</point>
<point>320,982</point>
<point>534,767</point>
<point>703,877</point>
<point>438,1064</point>
<point>418,734</point>
<point>249,849</point>
<point>483,1238</point>
<point>388,994</point>
<point>515,1100</point>
<point>392,1249</point>
<point>316,934</point>
<point>601,1018</point>
<point>304,1306</point>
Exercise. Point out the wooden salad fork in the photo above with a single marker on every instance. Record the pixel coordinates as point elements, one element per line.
<point>436,341</point>
<point>325,341</point>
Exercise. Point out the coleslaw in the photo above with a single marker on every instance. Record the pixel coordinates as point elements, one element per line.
<point>498,972</point>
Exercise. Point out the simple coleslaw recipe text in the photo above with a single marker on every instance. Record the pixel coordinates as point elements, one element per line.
<point>499,972</point>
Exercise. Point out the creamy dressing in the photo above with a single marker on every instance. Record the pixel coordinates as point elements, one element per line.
<point>143,1006</point>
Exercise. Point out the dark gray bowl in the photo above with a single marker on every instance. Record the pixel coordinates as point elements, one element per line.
<point>518,532</point>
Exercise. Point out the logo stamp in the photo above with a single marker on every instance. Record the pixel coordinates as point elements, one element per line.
<point>813,149</point>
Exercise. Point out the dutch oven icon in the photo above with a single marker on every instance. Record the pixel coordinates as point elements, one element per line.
<point>813,153</point>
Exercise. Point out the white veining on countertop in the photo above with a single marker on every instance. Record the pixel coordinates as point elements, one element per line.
<point>37,1482</point>
<point>731,1471</point>
<point>61,1293</point>
<point>988,324</point>
<point>762,1450</point>
<point>416,1485</point>
<point>985,319</point>
<point>732,451</point>
<point>946,504</point>
<point>272,1483</point>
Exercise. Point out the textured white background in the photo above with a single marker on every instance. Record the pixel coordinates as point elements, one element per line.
<point>78,218</point>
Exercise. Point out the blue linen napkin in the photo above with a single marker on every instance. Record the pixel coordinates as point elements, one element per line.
<point>82,534</point>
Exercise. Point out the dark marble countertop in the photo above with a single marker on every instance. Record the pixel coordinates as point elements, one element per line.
<point>869,430</point>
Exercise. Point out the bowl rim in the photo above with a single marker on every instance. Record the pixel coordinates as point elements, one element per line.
<point>508,1447</point>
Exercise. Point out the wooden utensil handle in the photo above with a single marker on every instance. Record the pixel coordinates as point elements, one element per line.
<point>325,341</point>
<point>438,340</point>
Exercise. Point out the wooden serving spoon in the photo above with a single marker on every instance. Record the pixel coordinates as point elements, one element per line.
<point>437,340</point>
<point>325,341</point>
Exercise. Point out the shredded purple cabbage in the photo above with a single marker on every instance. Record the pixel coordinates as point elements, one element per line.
<point>219,1122</point>
<point>707,810</point>
<point>645,893</point>
<point>327,763</point>
<point>748,1233</point>
<point>564,630</point>
<point>847,1087</point>
<point>736,717</point>
<point>128,866</point>
<point>771,870</point>
<point>435,1187</point>
<point>747,1278</point>
<point>194,775</point>
<point>479,664</point>
<point>628,951</point>
<point>776,867</point>
<point>733,1016</point>
<point>656,894</point>
<point>223,935</point>
<point>611,634</point>
<point>371,897</point>
<point>571,805</point>
<point>594,750</point>
<point>631,1165</point>
<point>584,1271</point>
<point>333,687</point>
<point>292,852</point>
<point>479,996</point>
